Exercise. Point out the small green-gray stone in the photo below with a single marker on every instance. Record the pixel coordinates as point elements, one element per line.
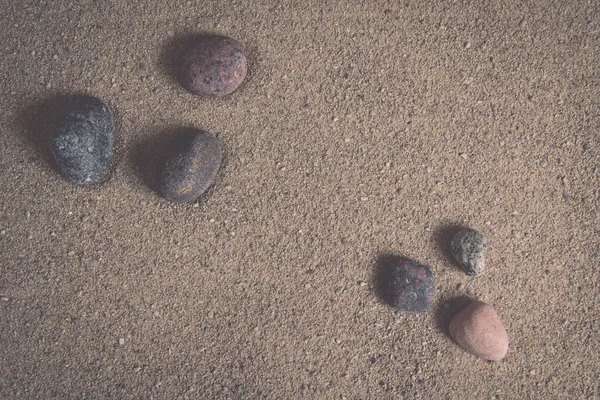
<point>469,248</point>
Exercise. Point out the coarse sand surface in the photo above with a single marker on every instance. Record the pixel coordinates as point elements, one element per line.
<point>363,130</point>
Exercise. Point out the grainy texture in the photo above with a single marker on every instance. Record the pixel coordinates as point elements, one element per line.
<point>189,165</point>
<point>479,330</point>
<point>469,249</point>
<point>362,128</point>
<point>82,143</point>
<point>214,66</point>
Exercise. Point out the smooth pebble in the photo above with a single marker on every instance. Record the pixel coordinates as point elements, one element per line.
<point>479,330</point>
<point>189,165</point>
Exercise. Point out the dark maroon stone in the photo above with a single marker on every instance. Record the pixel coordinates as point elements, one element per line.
<point>214,66</point>
<point>189,166</point>
<point>410,286</point>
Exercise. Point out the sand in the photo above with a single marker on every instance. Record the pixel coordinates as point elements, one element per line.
<point>363,129</point>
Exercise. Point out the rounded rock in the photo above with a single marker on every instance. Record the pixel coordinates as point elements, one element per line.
<point>214,66</point>
<point>479,330</point>
<point>189,165</point>
<point>411,286</point>
<point>83,141</point>
<point>469,249</point>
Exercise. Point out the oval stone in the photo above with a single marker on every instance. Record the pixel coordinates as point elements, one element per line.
<point>469,248</point>
<point>83,141</point>
<point>479,330</point>
<point>189,165</point>
<point>411,286</point>
<point>214,66</point>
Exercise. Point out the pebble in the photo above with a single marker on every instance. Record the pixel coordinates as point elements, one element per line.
<point>82,144</point>
<point>411,286</point>
<point>479,330</point>
<point>469,248</point>
<point>189,166</point>
<point>215,66</point>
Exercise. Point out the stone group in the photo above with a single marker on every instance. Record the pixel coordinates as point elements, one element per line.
<point>82,143</point>
<point>214,66</point>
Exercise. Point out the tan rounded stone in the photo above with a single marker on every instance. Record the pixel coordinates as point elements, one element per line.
<point>478,330</point>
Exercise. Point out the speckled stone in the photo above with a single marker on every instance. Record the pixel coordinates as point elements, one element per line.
<point>215,66</point>
<point>479,330</point>
<point>189,166</point>
<point>83,141</point>
<point>469,248</point>
<point>411,286</point>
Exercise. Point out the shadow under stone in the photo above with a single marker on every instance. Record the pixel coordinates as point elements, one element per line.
<point>40,119</point>
<point>147,155</point>
<point>385,263</point>
<point>446,310</point>
<point>174,49</point>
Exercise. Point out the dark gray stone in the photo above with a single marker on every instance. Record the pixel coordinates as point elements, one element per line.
<point>82,144</point>
<point>189,166</point>
<point>410,286</point>
<point>469,248</point>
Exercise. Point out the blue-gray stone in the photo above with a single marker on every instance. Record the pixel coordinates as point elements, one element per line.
<point>82,144</point>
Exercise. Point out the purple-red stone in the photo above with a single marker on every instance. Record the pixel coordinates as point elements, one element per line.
<point>411,286</point>
<point>214,66</point>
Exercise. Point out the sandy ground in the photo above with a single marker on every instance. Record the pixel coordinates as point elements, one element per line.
<point>362,130</point>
